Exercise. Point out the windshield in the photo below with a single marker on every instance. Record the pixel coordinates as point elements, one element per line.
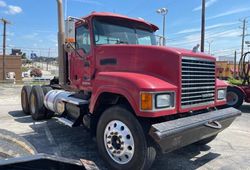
<point>120,31</point>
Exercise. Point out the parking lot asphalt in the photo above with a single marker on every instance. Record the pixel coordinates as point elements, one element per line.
<point>229,151</point>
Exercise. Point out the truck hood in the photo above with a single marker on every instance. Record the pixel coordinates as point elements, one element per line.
<point>161,62</point>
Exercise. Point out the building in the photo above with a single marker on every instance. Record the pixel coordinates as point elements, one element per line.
<point>13,63</point>
<point>225,69</point>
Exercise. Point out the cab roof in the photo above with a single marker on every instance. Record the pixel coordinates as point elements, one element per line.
<point>109,14</point>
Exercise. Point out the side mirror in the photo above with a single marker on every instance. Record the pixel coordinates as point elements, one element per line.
<point>70,31</point>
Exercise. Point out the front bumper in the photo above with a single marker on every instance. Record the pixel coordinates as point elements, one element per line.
<point>178,133</point>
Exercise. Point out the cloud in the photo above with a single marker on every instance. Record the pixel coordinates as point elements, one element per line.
<point>89,2</point>
<point>193,39</point>
<point>192,30</point>
<point>10,34</point>
<point>208,4</point>
<point>3,4</point>
<point>231,12</point>
<point>12,10</point>
<point>30,36</point>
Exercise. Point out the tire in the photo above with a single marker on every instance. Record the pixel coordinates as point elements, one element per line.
<point>25,94</point>
<point>37,109</point>
<point>12,146</point>
<point>49,114</point>
<point>235,97</point>
<point>128,138</point>
<point>46,89</point>
<point>205,141</point>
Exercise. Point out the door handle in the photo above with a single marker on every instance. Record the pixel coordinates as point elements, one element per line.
<point>214,125</point>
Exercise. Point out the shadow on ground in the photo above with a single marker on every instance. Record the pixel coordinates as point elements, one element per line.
<point>51,137</point>
<point>245,108</point>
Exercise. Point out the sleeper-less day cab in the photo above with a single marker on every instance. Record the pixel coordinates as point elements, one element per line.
<point>138,98</point>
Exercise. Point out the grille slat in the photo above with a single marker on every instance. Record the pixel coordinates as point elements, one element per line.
<point>196,68</point>
<point>199,100</point>
<point>207,83</point>
<point>197,96</point>
<point>197,92</point>
<point>198,82</point>
<point>188,71</point>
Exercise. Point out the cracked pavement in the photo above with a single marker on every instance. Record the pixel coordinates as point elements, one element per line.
<point>229,151</point>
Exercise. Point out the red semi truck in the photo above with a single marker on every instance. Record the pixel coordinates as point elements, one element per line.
<point>137,98</point>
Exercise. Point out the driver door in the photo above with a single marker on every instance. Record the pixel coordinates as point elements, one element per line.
<point>81,58</point>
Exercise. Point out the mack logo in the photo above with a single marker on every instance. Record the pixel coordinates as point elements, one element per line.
<point>207,95</point>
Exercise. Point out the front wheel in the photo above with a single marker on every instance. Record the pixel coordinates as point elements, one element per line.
<point>121,140</point>
<point>235,97</point>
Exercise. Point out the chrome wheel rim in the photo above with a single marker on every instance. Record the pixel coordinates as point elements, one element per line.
<point>232,98</point>
<point>119,142</point>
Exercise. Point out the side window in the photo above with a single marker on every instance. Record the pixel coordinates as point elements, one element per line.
<point>83,39</point>
<point>145,40</point>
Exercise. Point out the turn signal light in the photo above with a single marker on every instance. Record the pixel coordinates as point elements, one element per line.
<point>70,40</point>
<point>146,101</point>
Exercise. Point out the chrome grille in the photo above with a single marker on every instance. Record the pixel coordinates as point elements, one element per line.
<point>198,82</point>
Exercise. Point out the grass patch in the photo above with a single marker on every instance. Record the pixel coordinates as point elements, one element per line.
<point>235,81</point>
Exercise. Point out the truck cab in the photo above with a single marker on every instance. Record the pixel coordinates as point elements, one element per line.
<point>119,55</point>
<point>138,98</point>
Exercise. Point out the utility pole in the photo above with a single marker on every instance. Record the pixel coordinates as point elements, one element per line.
<point>203,15</point>
<point>5,22</point>
<point>235,55</point>
<point>243,36</point>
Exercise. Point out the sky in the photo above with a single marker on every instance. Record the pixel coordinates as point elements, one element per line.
<point>33,25</point>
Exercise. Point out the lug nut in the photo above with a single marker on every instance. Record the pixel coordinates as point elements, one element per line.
<point>120,136</point>
<point>112,133</point>
<point>114,152</point>
<point>116,133</point>
<point>109,136</point>
<point>118,152</point>
<point>111,148</point>
<point>108,142</point>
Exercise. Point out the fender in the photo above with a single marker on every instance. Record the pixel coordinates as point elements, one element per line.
<point>130,85</point>
<point>239,88</point>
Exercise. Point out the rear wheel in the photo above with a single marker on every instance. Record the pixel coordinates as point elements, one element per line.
<point>46,89</point>
<point>25,94</point>
<point>235,97</point>
<point>37,109</point>
<point>121,140</point>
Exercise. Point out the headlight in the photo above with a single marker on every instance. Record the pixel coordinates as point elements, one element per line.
<point>221,94</point>
<point>157,101</point>
<point>163,101</point>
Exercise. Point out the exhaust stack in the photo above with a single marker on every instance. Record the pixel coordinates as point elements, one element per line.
<point>61,39</point>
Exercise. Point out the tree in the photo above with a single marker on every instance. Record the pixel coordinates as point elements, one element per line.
<point>36,73</point>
